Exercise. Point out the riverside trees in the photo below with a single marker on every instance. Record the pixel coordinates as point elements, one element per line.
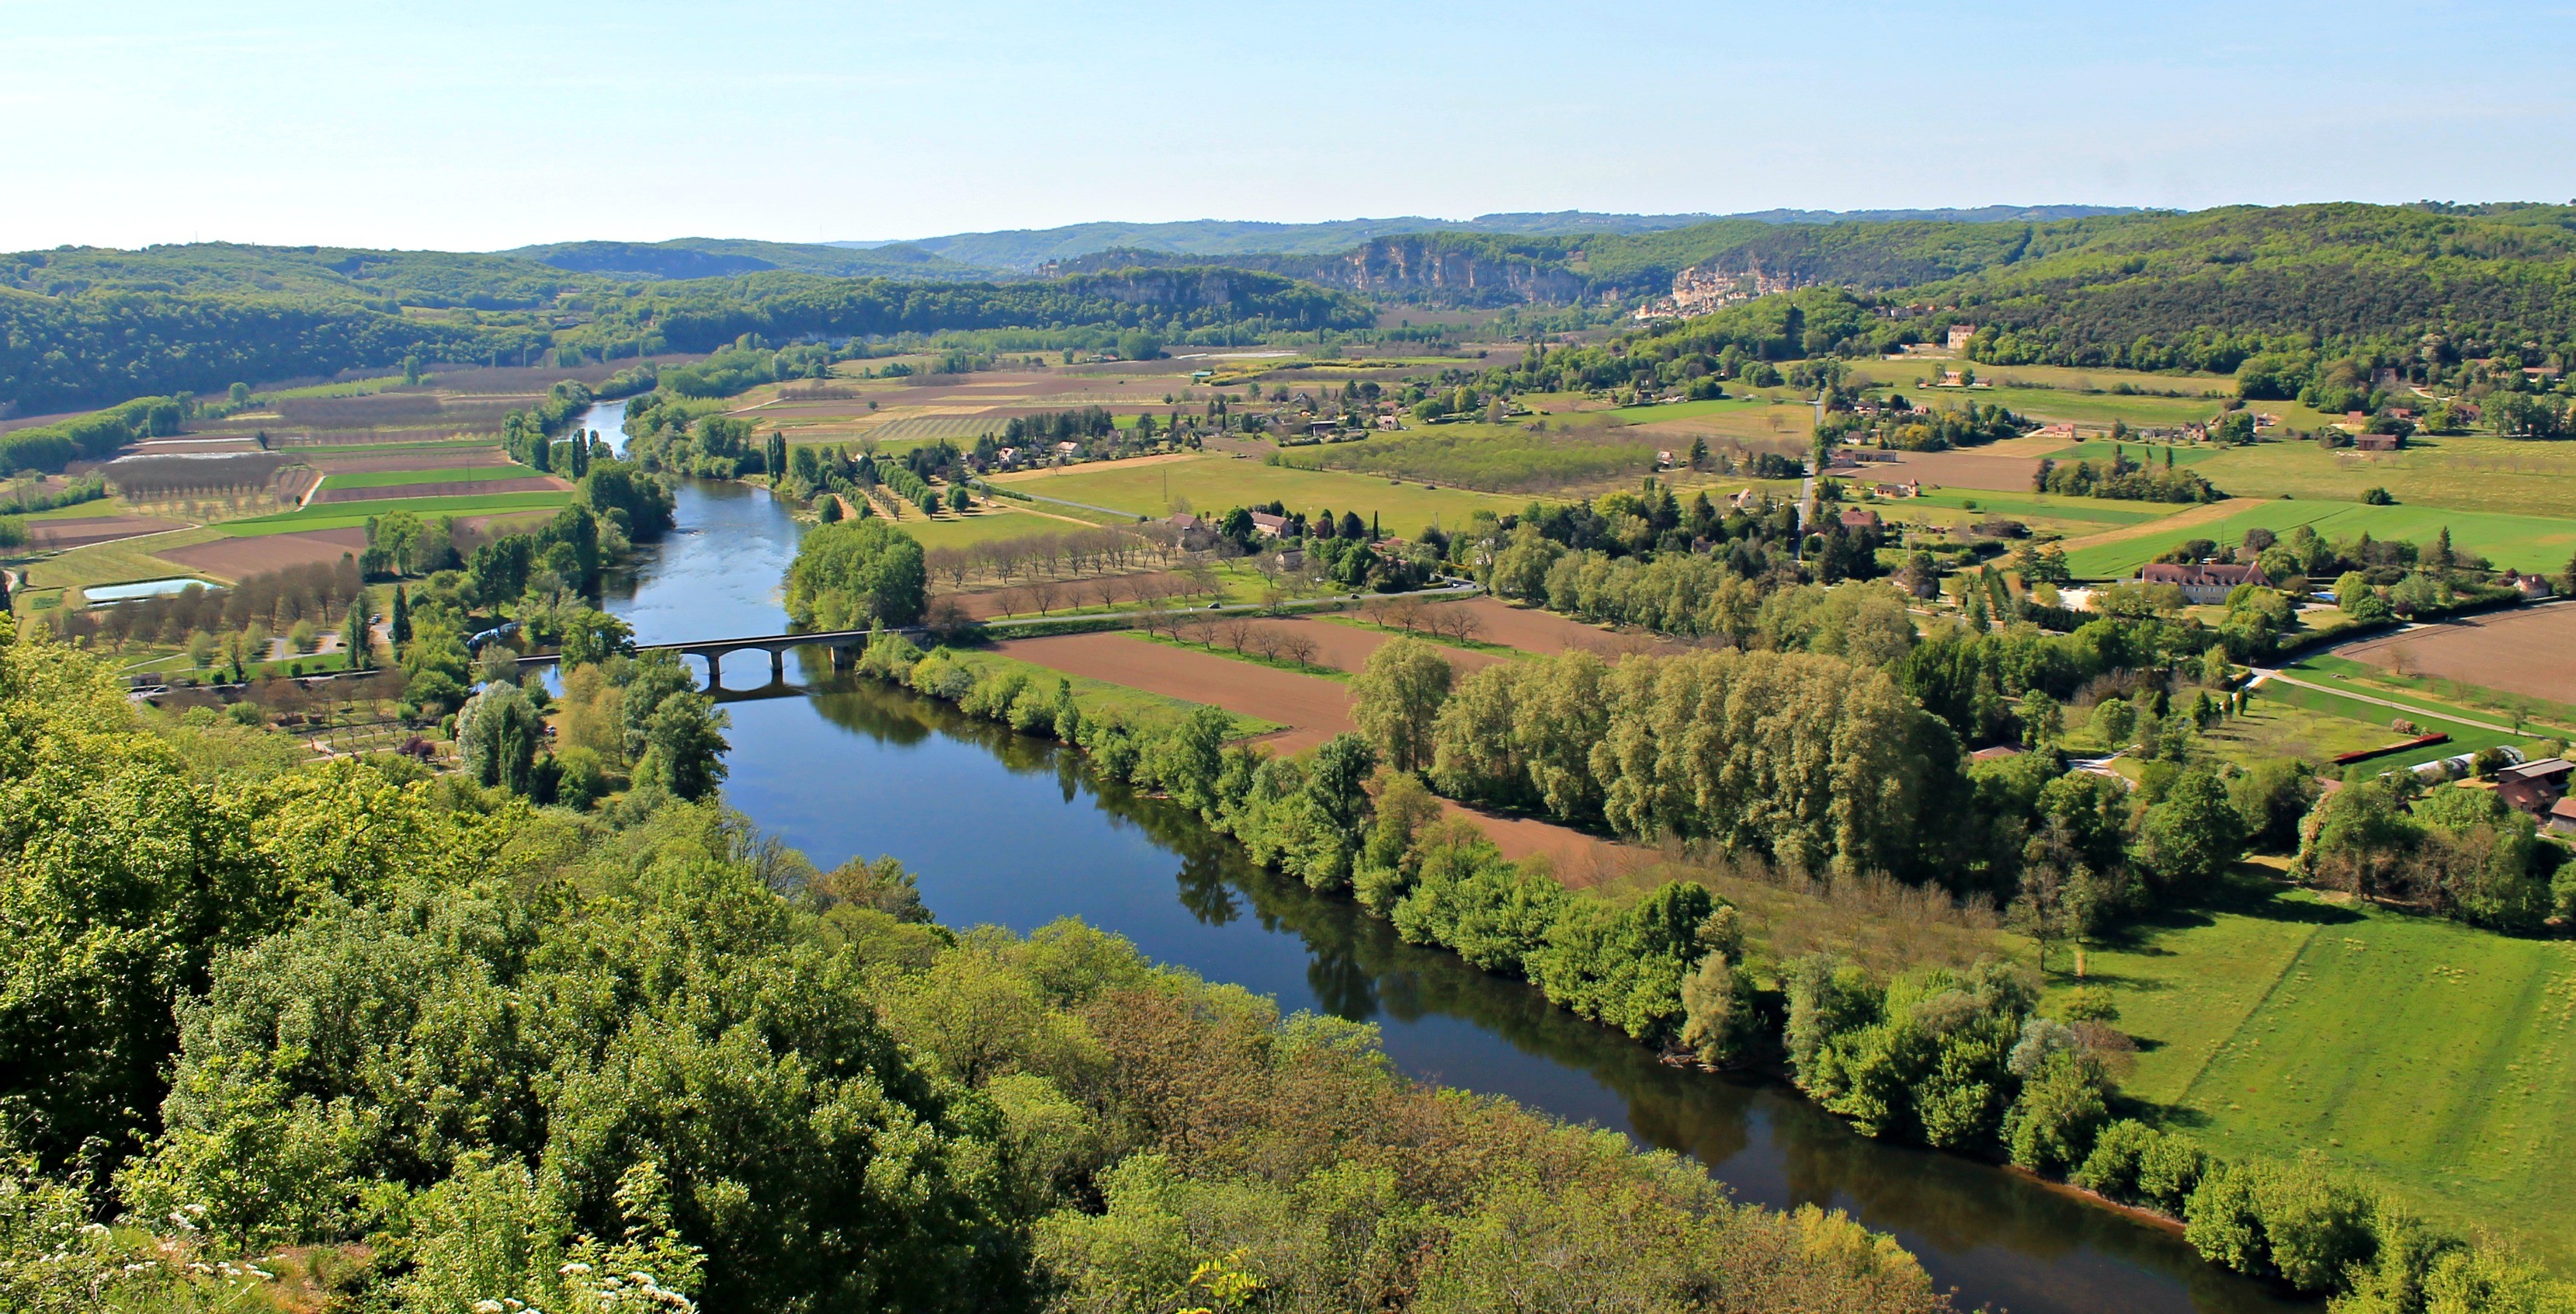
<point>857,573</point>
<point>478,1052</point>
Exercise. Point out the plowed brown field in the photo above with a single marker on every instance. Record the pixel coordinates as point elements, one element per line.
<point>2530,651</point>
<point>239,558</point>
<point>80,531</point>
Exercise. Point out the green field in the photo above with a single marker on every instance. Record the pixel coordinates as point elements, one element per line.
<point>1692,410</point>
<point>348,515</point>
<point>2476,474</point>
<point>2101,450</point>
<point>982,527</point>
<point>2090,510</point>
<point>2438,1058</point>
<point>1216,483</point>
<point>1495,457</point>
<point>2464,738</point>
<point>2520,541</point>
<point>463,474</point>
<point>2439,694</point>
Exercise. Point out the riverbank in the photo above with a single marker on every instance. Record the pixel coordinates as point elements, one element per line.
<point>1016,830</point>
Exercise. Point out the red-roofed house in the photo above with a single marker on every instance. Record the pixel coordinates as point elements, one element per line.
<point>2204,583</point>
<point>2535,787</point>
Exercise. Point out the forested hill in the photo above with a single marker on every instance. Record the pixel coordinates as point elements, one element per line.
<point>86,328</point>
<point>707,257</point>
<point>1029,249</point>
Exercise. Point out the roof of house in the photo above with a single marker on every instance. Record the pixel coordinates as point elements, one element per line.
<point>1265,520</point>
<point>1860,518</point>
<point>2205,575</point>
<point>2565,807</point>
<point>2545,769</point>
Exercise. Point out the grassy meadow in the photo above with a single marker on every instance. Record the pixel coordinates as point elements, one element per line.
<point>2459,473</point>
<point>463,474</point>
<point>348,515</point>
<point>2438,1058</point>
<point>2524,542</point>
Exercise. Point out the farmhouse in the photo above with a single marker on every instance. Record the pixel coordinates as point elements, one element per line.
<point>1860,518</point>
<point>1268,525</point>
<point>2535,787</point>
<point>1908,489</point>
<point>2377,442</point>
<point>2562,816</point>
<point>2531,587</point>
<point>1959,335</point>
<point>2205,583</point>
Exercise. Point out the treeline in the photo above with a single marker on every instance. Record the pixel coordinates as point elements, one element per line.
<point>462,1052</point>
<point>2125,480</point>
<point>318,594</point>
<point>48,448</point>
<point>1963,1061</point>
<point>87,344</point>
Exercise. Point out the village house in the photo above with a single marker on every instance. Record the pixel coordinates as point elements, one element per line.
<point>2535,787</point>
<point>2205,583</point>
<point>2377,442</point>
<point>1960,334</point>
<point>1860,518</point>
<point>2531,587</point>
<point>1907,489</point>
<point>2562,817</point>
<point>1268,525</point>
<point>1746,500</point>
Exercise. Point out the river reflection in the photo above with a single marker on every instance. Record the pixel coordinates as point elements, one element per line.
<point>1008,829</point>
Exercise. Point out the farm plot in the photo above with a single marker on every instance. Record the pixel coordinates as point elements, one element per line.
<point>345,515</point>
<point>1493,458</point>
<point>2523,542</point>
<point>501,483</point>
<point>1313,708</point>
<point>2529,651</point>
<point>1215,483</point>
<point>1962,468</point>
<point>240,558</point>
<point>2470,473</point>
<point>54,534</point>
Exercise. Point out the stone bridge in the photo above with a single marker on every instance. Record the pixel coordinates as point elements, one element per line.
<point>844,644</point>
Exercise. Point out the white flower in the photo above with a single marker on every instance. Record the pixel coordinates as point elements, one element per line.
<point>487,1307</point>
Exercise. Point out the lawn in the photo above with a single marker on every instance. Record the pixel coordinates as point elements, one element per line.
<point>2484,703</point>
<point>2464,738</point>
<point>1214,484</point>
<point>2477,474</point>
<point>349,515</point>
<point>2438,1059</point>
<point>951,530</point>
<point>2520,541</point>
<point>464,474</point>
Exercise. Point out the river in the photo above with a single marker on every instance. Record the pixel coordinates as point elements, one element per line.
<point>1008,829</point>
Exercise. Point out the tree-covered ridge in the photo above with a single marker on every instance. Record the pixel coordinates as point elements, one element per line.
<point>372,1040</point>
<point>98,344</point>
<point>702,257</point>
<point>337,274</point>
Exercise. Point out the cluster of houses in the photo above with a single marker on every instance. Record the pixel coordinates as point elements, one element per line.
<point>2205,583</point>
<point>2540,788</point>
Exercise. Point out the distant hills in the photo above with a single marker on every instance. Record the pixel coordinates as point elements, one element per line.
<point>717,257</point>
<point>1026,249</point>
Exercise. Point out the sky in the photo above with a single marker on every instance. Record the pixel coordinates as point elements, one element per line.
<point>474,126</point>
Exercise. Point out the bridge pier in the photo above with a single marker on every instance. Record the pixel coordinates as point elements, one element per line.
<point>778,666</point>
<point>715,671</point>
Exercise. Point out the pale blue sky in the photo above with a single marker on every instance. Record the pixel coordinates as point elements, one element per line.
<point>476,125</point>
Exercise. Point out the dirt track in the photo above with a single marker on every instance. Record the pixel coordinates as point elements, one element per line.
<point>2531,651</point>
<point>240,558</point>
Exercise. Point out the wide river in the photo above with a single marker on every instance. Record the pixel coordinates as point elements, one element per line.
<point>1007,829</point>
